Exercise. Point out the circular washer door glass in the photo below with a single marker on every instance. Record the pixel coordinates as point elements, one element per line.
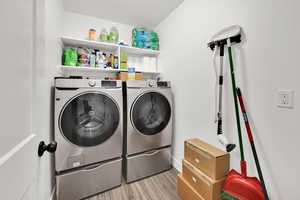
<point>151,113</point>
<point>89,119</point>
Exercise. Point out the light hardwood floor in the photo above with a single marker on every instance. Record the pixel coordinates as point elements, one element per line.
<point>158,187</point>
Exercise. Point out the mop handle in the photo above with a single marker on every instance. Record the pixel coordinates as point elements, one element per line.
<point>250,136</point>
<point>216,84</point>
<point>236,103</point>
<point>219,131</point>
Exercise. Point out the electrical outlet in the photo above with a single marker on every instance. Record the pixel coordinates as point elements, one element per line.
<point>286,99</point>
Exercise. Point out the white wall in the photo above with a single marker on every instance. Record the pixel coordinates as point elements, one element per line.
<point>77,25</point>
<point>266,63</point>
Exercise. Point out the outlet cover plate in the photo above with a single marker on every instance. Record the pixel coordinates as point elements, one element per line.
<point>285,99</point>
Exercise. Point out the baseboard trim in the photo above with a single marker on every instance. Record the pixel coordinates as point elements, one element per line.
<point>176,164</point>
<point>53,196</point>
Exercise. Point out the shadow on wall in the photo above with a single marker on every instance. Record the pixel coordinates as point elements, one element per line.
<point>241,62</point>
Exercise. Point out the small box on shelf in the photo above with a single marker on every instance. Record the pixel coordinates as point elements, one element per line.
<point>122,76</point>
<point>139,76</point>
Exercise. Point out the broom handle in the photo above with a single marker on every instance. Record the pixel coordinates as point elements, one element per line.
<point>251,140</point>
<point>236,105</point>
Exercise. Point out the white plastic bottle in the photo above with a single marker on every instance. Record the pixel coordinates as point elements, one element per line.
<point>114,35</point>
<point>103,35</point>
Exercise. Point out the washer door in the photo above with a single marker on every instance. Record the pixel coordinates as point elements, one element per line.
<point>89,119</point>
<point>150,113</point>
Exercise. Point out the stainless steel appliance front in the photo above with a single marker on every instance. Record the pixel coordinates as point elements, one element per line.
<point>88,122</point>
<point>149,116</point>
<point>89,180</point>
<point>146,164</point>
<point>149,129</point>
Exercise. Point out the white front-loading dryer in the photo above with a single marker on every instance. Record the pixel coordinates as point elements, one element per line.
<point>149,116</point>
<point>149,128</point>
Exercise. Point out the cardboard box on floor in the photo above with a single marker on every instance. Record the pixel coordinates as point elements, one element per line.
<point>212,161</point>
<point>206,187</point>
<point>185,190</point>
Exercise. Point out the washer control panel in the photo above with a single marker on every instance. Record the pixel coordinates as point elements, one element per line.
<point>108,83</point>
<point>152,83</point>
<point>92,83</point>
<point>73,83</point>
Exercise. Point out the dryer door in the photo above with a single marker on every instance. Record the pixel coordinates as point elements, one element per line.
<point>150,113</point>
<point>89,119</point>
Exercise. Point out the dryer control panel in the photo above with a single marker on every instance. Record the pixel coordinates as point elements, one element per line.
<point>147,84</point>
<point>163,84</point>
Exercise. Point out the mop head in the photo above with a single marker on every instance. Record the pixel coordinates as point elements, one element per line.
<point>223,140</point>
<point>230,147</point>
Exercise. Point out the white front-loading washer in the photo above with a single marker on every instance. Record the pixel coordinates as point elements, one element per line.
<point>88,130</point>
